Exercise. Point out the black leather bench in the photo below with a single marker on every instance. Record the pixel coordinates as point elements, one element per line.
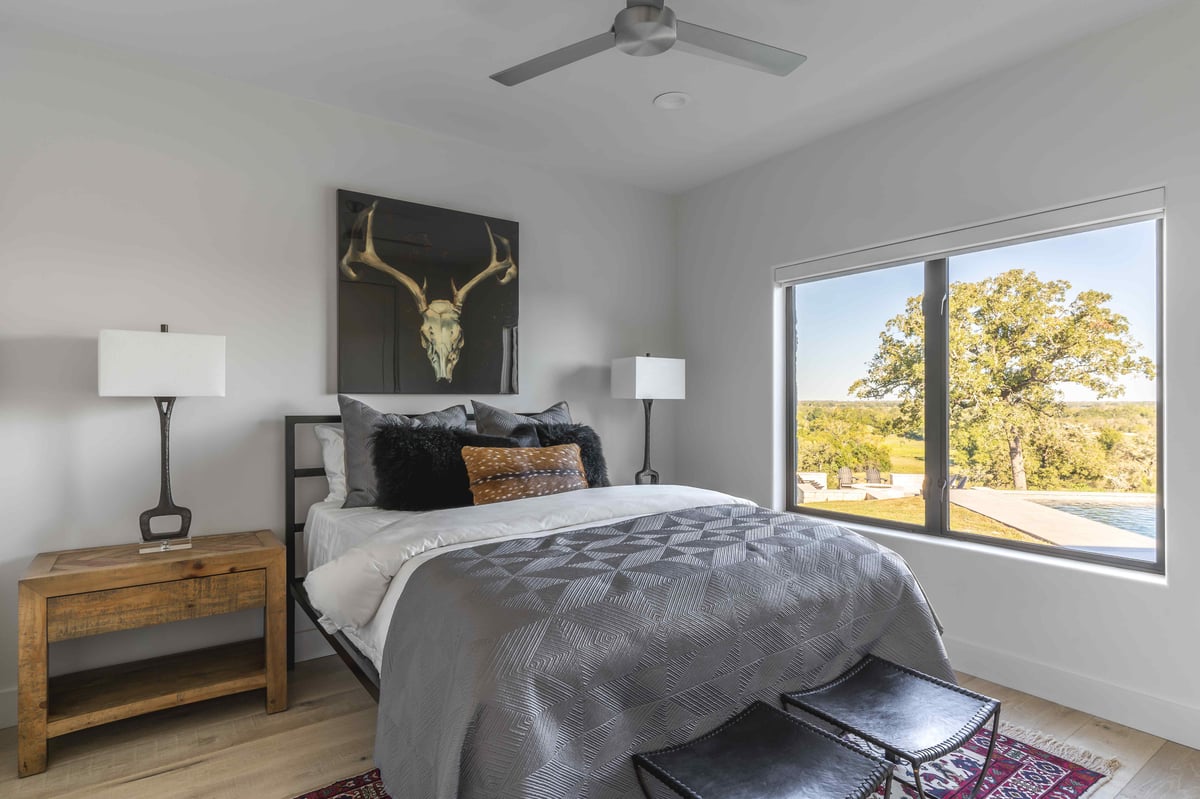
<point>762,753</point>
<point>909,715</point>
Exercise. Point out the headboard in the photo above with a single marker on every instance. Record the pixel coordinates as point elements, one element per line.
<point>291,474</point>
<point>361,667</point>
<point>359,664</point>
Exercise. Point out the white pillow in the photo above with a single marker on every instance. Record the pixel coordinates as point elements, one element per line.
<point>333,453</point>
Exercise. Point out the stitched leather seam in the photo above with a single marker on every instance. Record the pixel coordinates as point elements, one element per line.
<point>854,670</point>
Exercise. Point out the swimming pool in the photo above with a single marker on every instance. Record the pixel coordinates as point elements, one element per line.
<point>1140,519</point>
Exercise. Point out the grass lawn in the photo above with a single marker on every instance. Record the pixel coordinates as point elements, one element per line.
<point>908,456</point>
<point>912,511</point>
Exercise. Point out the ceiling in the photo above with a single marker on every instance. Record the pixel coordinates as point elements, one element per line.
<point>426,64</point>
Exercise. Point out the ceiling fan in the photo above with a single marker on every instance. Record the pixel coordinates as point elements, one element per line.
<point>647,27</point>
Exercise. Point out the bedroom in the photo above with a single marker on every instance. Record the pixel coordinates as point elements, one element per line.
<point>151,180</point>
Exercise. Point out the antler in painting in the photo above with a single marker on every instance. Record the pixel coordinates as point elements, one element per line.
<point>441,320</point>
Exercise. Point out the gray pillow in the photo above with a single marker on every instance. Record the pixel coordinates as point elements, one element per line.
<point>492,421</point>
<point>359,421</point>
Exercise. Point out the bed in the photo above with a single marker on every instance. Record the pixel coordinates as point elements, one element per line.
<point>524,649</point>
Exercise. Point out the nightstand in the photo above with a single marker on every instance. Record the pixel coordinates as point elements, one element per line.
<point>84,592</point>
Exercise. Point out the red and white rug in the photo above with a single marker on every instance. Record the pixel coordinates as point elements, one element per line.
<point>1027,765</point>
<point>1047,770</point>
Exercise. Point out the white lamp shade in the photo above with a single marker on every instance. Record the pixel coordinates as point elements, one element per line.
<point>648,378</point>
<point>135,363</point>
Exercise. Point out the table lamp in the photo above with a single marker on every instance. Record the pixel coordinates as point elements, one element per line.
<point>648,379</point>
<point>134,363</point>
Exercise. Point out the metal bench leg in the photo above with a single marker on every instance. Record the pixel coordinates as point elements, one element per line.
<point>916,767</point>
<point>987,761</point>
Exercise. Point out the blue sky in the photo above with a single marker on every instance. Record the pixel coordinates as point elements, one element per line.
<point>838,321</point>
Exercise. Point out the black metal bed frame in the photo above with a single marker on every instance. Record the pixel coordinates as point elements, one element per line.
<point>358,663</point>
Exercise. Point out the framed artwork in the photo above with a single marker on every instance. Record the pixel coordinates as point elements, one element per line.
<point>428,299</point>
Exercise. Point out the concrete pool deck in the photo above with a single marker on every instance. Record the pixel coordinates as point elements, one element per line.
<point>1054,526</point>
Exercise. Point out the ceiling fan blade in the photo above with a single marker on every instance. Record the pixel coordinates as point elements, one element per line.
<point>552,61</point>
<point>700,40</point>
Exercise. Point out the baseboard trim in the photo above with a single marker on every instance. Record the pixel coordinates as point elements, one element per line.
<point>1131,707</point>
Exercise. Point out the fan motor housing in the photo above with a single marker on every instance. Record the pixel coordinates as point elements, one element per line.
<point>645,30</point>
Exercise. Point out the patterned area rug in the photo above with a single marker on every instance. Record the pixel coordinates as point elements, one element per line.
<point>1043,769</point>
<point>364,786</point>
<point>1049,770</point>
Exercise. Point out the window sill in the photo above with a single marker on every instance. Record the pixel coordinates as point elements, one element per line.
<point>886,534</point>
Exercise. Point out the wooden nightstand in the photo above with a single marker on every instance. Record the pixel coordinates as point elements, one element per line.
<point>85,592</point>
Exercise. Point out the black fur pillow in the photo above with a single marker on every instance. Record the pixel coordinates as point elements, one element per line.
<point>422,468</point>
<point>590,451</point>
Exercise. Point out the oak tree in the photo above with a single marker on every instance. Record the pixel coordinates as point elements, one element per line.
<point>1015,342</point>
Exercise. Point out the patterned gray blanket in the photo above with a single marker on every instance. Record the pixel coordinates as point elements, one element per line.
<point>533,668</point>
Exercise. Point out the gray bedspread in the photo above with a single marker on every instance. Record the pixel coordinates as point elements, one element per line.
<point>533,667</point>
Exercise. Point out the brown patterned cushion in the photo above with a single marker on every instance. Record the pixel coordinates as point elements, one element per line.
<point>499,474</point>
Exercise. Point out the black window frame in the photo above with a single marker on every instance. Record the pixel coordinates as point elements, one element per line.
<point>937,417</point>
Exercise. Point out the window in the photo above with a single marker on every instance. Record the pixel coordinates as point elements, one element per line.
<point>1006,394</point>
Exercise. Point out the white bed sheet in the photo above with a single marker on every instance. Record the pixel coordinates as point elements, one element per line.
<point>331,531</point>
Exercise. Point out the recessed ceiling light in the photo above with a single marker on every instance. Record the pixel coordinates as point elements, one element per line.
<point>672,100</point>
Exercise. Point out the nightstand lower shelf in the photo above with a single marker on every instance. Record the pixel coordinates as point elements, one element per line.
<point>89,698</point>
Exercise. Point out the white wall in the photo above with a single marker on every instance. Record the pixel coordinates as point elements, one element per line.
<point>1111,114</point>
<point>132,195</point>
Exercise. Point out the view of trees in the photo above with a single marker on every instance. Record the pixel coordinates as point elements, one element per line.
<point>1015,342</point>
<point>832,435</point>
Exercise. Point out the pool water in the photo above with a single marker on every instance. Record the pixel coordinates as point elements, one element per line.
<point>1140,519</point>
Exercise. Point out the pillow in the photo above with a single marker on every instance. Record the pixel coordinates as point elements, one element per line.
<point>333,455</point>
<point>422,468</point>
<point>498,475</point>
<point>526,435</point>
<point>590,451</point>
<point>359,421</point>
<point>492,421</point>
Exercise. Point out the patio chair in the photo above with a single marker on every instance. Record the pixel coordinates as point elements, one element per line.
<point>845,477</point>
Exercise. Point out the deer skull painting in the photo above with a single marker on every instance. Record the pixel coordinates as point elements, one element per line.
<point>441,320</point>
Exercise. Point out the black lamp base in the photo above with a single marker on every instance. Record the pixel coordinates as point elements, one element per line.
<point>176,539</point>
<point>646,477</point>
<point>170,509</point>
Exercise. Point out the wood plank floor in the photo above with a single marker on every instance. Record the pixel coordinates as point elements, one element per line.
<point>230,749</point>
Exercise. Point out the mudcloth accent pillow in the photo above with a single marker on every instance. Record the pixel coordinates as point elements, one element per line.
<point>492,421</point>
<point>498,475</point>
<point>359,421</point>
<point>422,468</point>
<point>590,451</point>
